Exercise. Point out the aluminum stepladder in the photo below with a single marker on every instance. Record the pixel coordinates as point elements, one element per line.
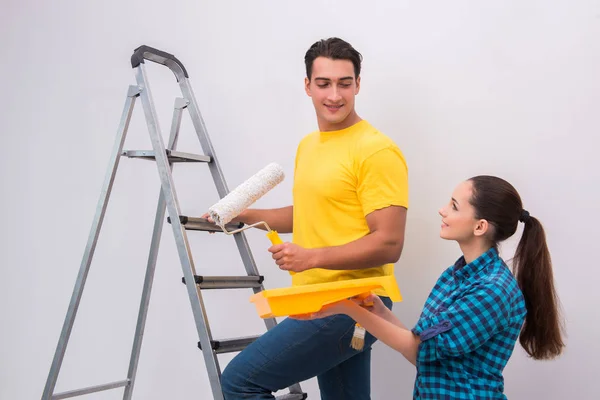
<point>165,157</point>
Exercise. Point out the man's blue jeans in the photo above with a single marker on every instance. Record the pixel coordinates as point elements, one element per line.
<point>297,350</point>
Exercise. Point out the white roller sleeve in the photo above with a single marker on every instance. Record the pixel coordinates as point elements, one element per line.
<point>246,194</point>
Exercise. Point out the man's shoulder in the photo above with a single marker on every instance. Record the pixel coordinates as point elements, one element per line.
<point>309,137</point>
<point>372,140</point>
<point>305,141</point>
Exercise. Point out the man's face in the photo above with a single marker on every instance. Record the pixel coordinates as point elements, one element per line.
<point>332,88</point>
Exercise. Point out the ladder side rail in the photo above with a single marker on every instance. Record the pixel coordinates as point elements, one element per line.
<point>86,261</point>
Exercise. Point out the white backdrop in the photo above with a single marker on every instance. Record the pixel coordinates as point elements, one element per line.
<point>508,88</point>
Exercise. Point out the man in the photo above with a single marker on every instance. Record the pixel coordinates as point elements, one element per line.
<point>350,198</point>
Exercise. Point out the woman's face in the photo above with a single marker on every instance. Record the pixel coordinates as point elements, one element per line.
<point>458,216</point>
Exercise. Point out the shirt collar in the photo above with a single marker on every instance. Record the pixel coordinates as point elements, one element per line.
<point>463,270</point>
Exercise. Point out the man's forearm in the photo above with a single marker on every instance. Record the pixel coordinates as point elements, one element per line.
<point>372,250</point>
<point>278,219</point>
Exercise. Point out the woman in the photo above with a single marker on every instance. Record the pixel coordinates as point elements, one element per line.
<point>478,308</point>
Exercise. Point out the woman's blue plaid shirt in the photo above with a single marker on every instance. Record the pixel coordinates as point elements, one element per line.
<point>468,328</point>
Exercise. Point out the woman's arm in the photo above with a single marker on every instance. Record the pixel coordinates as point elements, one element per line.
<point>379,322</point>
<point>390,331</point>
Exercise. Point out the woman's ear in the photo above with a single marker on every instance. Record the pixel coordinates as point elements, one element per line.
<point>482,227</point>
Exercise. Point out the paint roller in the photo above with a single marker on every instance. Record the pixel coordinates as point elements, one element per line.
<point>245,195</point>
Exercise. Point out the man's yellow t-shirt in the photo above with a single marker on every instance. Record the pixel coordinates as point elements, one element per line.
<point>339,178</point>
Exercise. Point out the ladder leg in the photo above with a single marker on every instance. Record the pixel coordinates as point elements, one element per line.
<point>180,104</point>
<point>187,264</point>
<point>59,354</point>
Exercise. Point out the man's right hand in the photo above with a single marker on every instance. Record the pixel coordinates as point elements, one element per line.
<point>235,220</point>
<point>279,219</point>
<point>207,217</point>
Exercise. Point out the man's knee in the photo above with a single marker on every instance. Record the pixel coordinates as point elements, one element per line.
<point>231,382</point>
<point>235,382</point>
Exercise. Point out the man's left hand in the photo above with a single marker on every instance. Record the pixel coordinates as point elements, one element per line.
<point>291,257</point>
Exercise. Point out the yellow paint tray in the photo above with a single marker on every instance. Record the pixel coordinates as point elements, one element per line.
<point>307,299</point>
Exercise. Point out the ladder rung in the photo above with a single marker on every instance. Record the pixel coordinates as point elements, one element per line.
<point>230,345</point>
<point>227,282</point>
<point>202,224</point>
<point>292,396</point>
<point>91,389</point>
<point>174,156</point>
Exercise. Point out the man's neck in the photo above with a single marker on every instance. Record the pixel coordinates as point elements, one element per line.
<point>350,120</point>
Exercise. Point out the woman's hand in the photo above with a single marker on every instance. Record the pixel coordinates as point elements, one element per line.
<point>340,307</point>
<point>372,303</point>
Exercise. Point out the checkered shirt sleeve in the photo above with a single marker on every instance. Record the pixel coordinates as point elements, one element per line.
<point>468,323</point>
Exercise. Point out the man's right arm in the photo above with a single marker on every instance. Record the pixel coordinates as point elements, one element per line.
<point>278,219</point>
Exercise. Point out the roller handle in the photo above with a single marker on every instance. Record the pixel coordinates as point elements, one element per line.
<point>275,239</point>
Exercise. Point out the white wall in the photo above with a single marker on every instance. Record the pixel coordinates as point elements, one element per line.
<point>501,87</point>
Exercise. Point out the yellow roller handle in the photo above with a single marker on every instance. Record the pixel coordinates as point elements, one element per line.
<point>275,239</point>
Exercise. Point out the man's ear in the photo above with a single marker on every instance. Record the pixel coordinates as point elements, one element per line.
<point>357,85</point>
<point>307,86</point>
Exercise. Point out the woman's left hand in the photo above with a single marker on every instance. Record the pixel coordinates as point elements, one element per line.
<point>340,307</point>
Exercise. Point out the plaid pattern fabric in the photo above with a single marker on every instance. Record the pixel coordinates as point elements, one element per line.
<point>468,328</point>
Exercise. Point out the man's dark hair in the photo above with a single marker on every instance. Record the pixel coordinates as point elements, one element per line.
<point>335,49</point>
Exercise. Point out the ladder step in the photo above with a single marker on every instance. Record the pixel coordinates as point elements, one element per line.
<point>91,389</point>
<point>292,396</point>
<point>227,282</point>
<point>174,156</point>
<point>202,224</point>
<point>230,345</point>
